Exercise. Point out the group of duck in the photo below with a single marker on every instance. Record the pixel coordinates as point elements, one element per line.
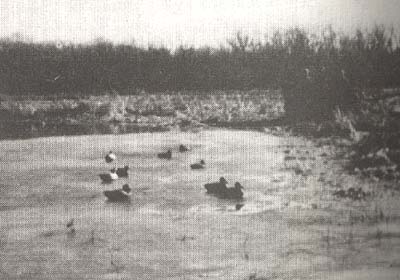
<point>218,189</point>
<point>122,194</point>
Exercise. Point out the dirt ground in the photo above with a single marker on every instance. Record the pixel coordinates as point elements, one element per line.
<point>290,227</point>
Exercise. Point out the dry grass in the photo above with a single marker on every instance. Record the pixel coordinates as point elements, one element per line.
<point>159,110</point>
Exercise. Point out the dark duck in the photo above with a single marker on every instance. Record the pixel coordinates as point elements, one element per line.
<point>166,155</point>
<point>122,172</point>
<point>123,194</point>
<point>198,165</point>
<point>183,148</point>
<point>220,190</point>
<point>216,187</point>
<point>233,193</point>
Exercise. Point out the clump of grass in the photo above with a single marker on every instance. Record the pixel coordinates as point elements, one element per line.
<point>115,268</point>
<point>92,238</point>
<point>245,252</point>
<point>346,123</point>
<point>350,237</point>
<point>377,153</point>
<point>253,276</point>
<point>379,235</point>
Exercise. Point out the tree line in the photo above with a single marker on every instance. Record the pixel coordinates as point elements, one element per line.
<point>295,61</point>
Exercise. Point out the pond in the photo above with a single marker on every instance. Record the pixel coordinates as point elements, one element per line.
<point>290,226</point>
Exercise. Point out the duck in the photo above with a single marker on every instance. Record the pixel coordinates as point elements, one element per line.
<point>216,187</point>
<point>239,206</point>
<point>123,194</point>
<point>166,155</point>
<point>122,172</point>
<point>221,191</point>
<point>233,193</point>
<point>110,157</point>
<point>109,177</point>
<point>198,165</point>
<point>183,148</point>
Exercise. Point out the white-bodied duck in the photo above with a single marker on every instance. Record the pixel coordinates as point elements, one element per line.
<point>109,177</point>
<point>110,157</point>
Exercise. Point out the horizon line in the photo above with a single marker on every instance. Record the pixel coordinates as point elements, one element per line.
<point>266,36</point>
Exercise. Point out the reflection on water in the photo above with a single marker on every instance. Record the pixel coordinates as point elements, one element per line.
<point>253,203</point>
<point>32,129</point>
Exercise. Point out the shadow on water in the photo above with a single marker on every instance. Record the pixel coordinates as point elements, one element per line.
<point>35,128</point>
<point>254,202</point>
<point>121,204</point>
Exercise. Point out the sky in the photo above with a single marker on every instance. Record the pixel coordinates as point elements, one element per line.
<point>171,23</point>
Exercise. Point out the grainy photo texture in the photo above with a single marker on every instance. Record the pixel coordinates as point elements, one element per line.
<point>200,139</point>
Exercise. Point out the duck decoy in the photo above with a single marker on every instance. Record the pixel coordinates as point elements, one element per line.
<point>217,187</point>
<point>123,172</point>
<point>119,195</point>
<point>166,155</point>
<point>239,206</point>
<point>233,193</point>
<point>221,191</point>
<point>183,148</point>
<point>198,165</point>
<point>110,157</point>
<point>109,177</point>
